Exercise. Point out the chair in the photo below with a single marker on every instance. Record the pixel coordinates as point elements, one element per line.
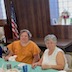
<point>69,60</point>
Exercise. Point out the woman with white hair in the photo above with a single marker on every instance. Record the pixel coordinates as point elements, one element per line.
<point>53,56</point>
<point>26,50</point>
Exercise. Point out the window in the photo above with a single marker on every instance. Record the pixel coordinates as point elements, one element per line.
<point>2,10</point>
<point>56,9</point>
<point>65,5</point>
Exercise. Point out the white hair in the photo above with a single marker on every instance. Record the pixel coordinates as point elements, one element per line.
<point>50,37</point>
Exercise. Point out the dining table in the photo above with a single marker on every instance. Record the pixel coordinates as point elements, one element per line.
<point>15,64</point>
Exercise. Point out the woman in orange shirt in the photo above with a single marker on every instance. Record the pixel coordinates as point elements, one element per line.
<point>26,50</point>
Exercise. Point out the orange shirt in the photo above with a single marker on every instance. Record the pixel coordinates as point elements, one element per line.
<point>24,53</point>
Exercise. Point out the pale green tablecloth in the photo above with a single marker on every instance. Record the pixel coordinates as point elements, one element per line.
<point>14,64</point>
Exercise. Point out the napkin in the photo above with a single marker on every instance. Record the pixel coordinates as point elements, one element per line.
<point>21,64</point>
<point>12,58</point>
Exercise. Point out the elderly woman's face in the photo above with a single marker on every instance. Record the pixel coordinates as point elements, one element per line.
<point>24,37</point>
<point>50,44</point>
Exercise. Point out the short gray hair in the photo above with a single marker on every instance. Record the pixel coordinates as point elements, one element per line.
<point>50,37</point>
<point>28,32</point>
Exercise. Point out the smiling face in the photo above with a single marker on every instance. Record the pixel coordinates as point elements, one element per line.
<point>24,38</point>
<point>50,44</point>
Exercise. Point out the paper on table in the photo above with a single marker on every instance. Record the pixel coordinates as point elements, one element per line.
<point>12,58</point>
<point>21,64</point>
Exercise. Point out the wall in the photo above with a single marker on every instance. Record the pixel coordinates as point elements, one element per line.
<point>34,15</point>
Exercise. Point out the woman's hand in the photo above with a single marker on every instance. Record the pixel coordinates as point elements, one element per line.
<point>46,66</point>
<point>34,65</point>
<point>6,58</point>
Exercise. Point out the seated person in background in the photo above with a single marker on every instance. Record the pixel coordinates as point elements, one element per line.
<point>53,56</point>
<point>26,50</point>
<point>2,41</point>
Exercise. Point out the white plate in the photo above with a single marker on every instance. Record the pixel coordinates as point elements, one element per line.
<point>13,70</point>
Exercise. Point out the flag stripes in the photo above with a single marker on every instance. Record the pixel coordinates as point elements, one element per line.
<point>13,23</point>
<point>14,29</point>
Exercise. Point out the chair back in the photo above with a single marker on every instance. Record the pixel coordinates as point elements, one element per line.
<point>69,60</point>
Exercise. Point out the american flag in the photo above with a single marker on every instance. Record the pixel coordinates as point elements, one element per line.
<point>13,23</point>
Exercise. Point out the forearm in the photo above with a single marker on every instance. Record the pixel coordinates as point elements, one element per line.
<point>58,67</point>
<point>36,58</point>
<point>7,56</point>
<point>10,53</point>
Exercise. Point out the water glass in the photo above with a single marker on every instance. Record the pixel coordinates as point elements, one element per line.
<point>8,66</point>
<point>25,68</point>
